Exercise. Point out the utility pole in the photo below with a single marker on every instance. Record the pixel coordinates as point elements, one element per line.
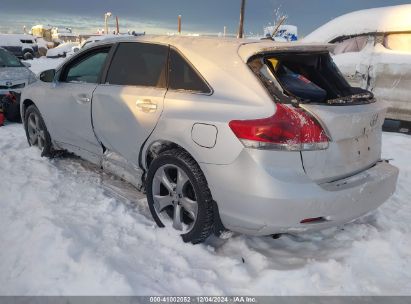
<point>241,25</point>
<point>106,16</point>
<point>179,24</point>
<point>117,26</point>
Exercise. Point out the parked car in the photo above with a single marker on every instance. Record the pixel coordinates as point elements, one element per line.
<point>62,50</point>
<point>14,75</point>
<point>22,46</point>
<point>373,50</point>
<point>220,133</point>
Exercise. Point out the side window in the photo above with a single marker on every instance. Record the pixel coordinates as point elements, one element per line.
<point>398,42</point>
<point>87,69</point>
<point>351,45</point>
<point>182,75</point>
<point>139,64</point>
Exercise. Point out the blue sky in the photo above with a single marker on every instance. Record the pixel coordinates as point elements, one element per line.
<point>159,16</point>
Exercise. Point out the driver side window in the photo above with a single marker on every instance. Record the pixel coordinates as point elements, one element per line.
<point>87,69</point>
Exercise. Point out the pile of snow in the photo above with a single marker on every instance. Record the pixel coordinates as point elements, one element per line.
<point>61,233</point>
<point>384,19</point>
<point>41,42</point>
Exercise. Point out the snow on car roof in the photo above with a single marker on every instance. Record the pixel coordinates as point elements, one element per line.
<point>384,19</point>
<point>213,47</point>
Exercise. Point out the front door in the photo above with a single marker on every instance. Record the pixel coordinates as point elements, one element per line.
<point>127,106</point>
<point>72,95</point>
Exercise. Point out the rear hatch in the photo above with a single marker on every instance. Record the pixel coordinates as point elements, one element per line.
<point>305,77</point>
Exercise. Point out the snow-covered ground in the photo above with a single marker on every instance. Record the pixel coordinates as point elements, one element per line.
<point>61,232</point>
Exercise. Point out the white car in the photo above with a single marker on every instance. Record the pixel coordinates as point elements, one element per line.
<point>219,132</point>
<point>21,46</point>
<point>62,50</point>
<point>373,51</point>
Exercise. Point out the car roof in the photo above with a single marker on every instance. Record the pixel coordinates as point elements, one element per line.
<point>376,20</point>
<point>214,47</point>
<point>221,61</point>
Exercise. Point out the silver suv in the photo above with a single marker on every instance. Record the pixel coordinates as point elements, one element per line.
<point>255,137</point>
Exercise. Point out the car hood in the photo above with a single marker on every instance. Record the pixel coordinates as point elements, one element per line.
<point>14,73</point>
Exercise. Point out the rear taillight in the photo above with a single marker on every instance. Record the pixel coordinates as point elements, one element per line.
<point>289,129</point>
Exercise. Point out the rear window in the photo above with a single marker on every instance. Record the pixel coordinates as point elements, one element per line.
<point>311,78</point>
<point>139,64</point>
<point>183,76</point>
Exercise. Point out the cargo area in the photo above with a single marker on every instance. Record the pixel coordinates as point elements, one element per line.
<point>306,77</point>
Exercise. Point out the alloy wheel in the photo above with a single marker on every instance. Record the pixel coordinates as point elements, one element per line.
<point>174,198</point>
<point>36,131</point>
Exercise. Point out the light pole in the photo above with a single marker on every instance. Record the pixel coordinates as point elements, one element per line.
<point>241,25</point>
<point>106,16</point>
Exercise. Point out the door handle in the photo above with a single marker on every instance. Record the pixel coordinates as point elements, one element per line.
<point>146,105</point>
<point>83,99</point>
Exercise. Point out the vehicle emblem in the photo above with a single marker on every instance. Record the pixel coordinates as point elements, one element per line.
<point>374,120</point>
<point>9,84</point>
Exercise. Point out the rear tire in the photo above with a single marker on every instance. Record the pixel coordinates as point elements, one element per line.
<point>178,195</point>
<point>36,131</point>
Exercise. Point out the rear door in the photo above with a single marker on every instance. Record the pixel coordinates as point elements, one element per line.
<point>127,106</point>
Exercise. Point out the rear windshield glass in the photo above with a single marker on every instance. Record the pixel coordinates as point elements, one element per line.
<point>311,78</point>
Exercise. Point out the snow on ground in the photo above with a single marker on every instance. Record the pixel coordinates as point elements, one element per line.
<point>61,233</point>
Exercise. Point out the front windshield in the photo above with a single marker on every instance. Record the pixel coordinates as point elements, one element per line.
<point>8,60</point>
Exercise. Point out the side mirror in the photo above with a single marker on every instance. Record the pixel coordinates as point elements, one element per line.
<point>48,75</point>
<point>26,64</point>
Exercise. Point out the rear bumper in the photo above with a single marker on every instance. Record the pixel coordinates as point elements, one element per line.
<point>263,201</point>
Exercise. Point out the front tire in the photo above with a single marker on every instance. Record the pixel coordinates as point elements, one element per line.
<point>28,56</point>
<point>36,131</point>
<point>178,196</point>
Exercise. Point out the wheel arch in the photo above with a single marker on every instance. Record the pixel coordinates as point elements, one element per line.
<point>154,149</point>
<point>26,103</point>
